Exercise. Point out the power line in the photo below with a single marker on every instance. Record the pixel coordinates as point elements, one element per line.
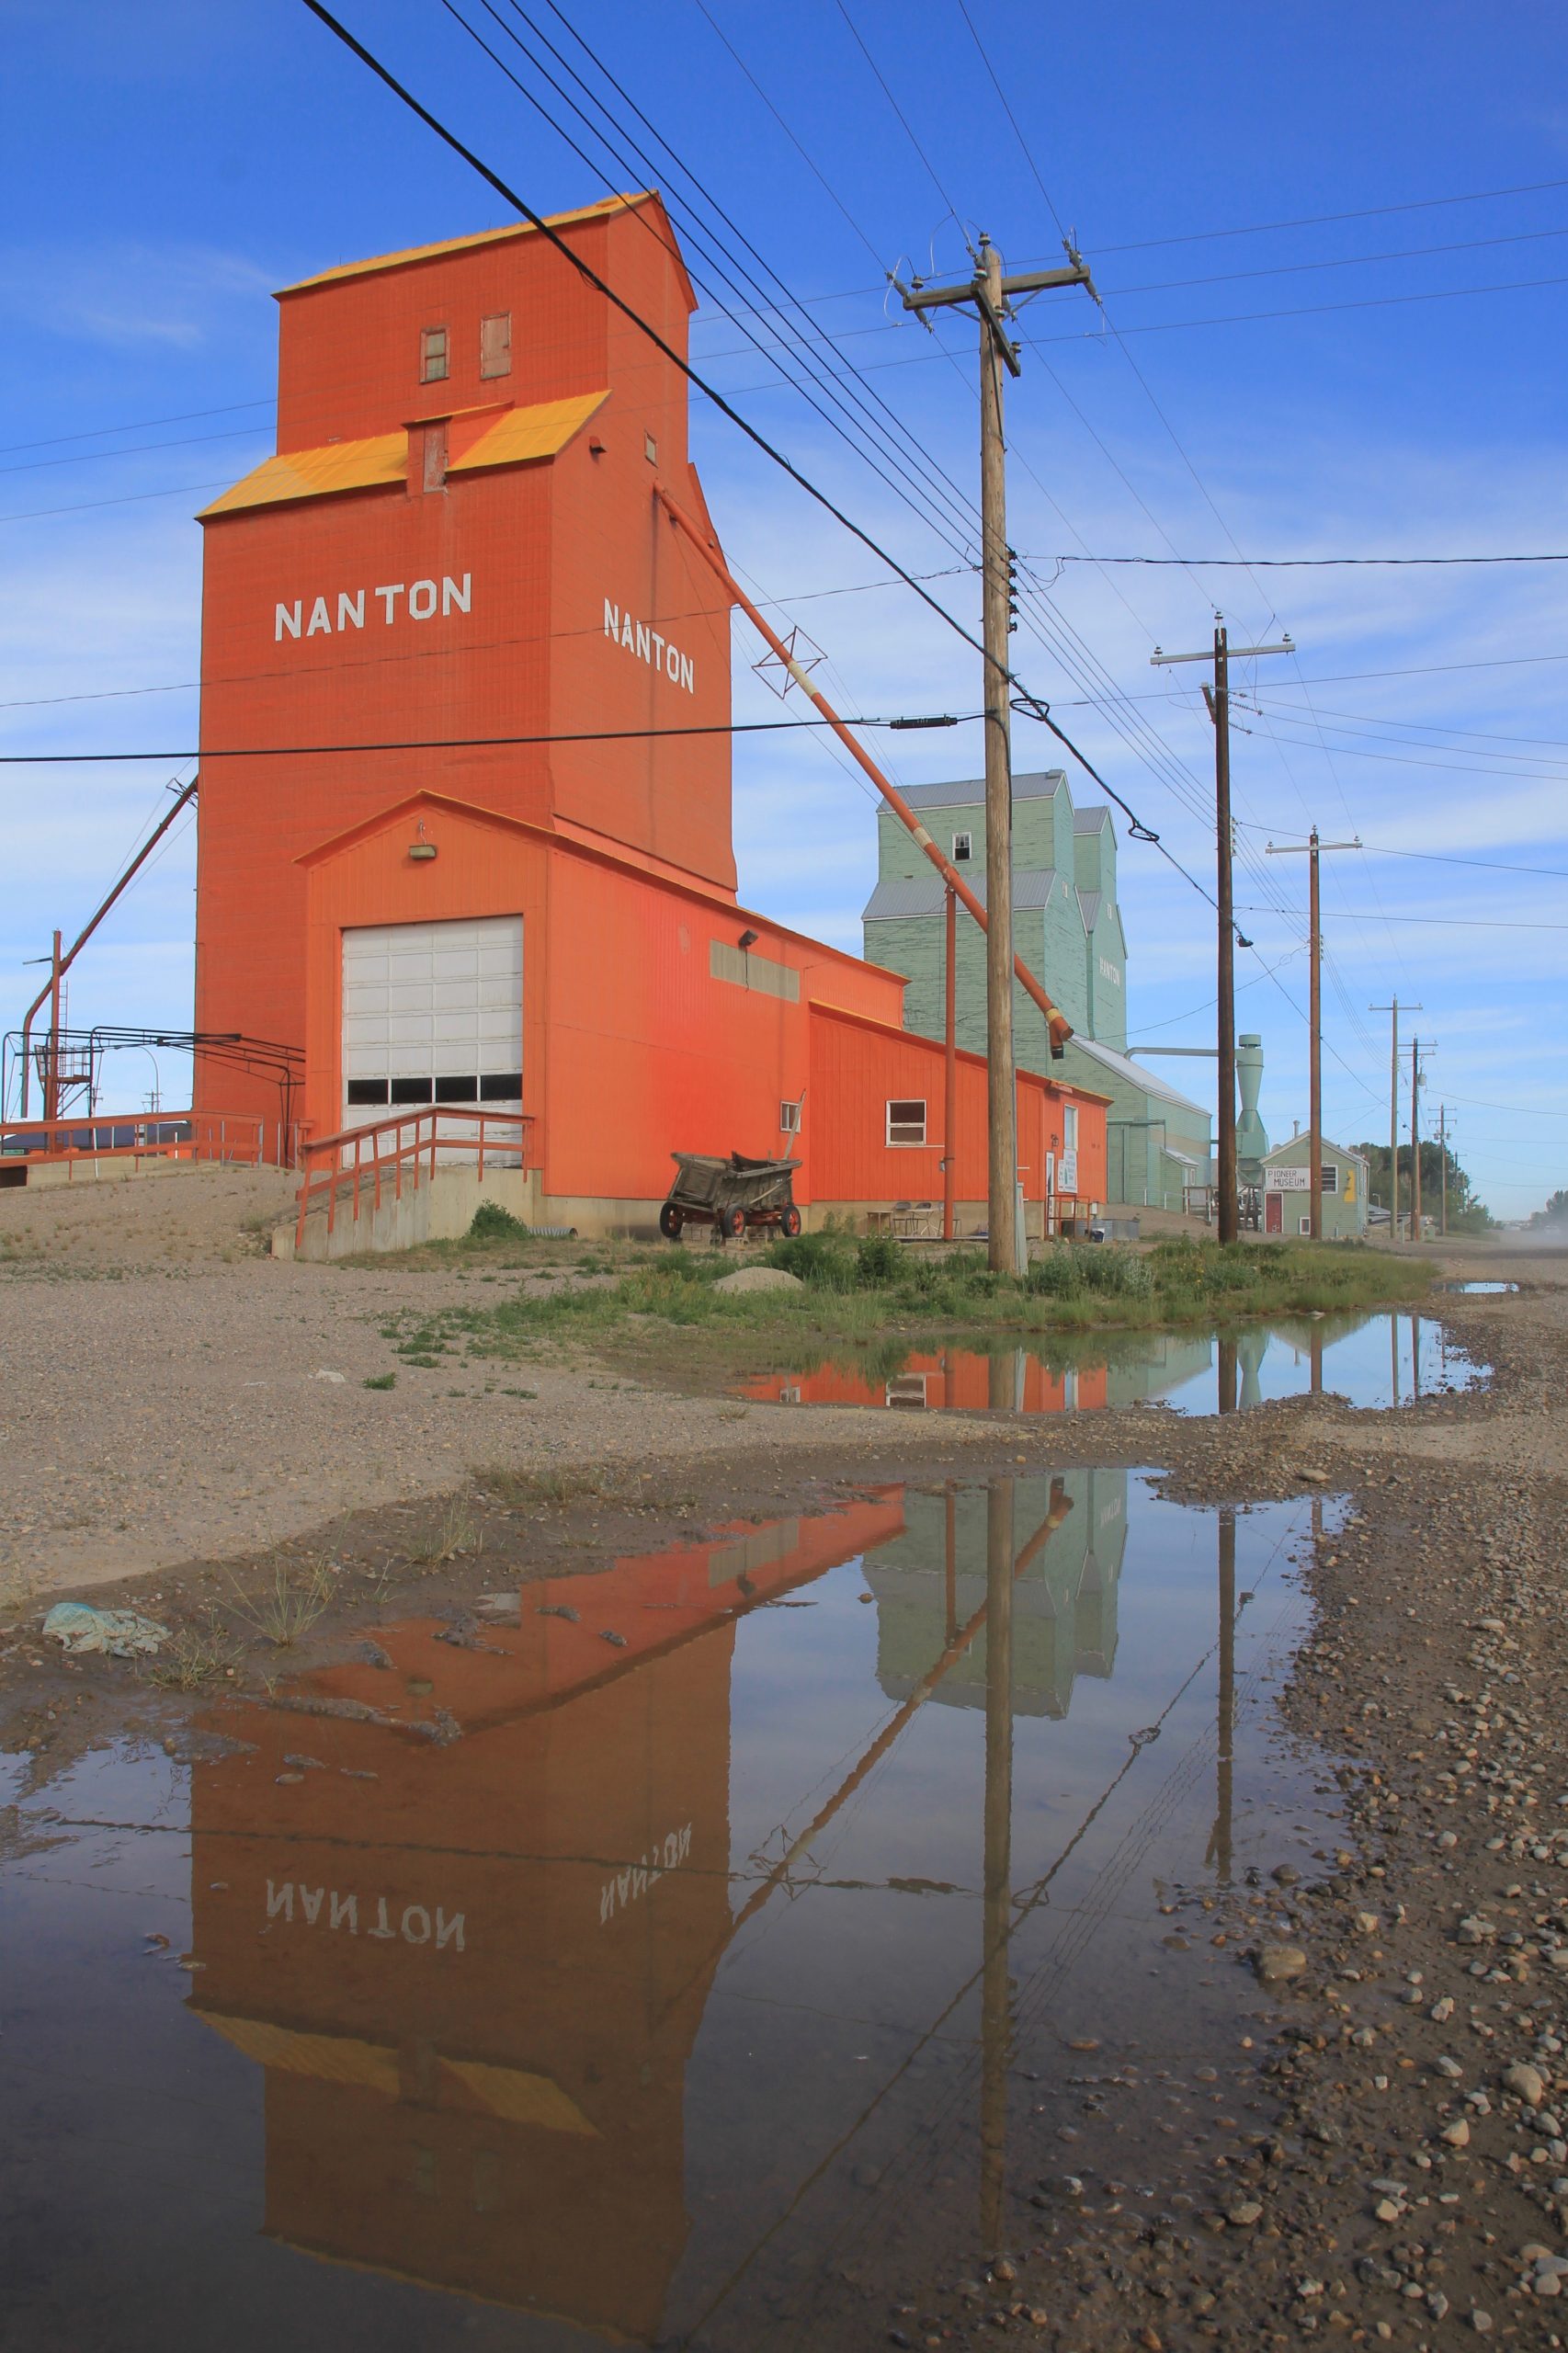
<point>1326,220</point>
<point>1444,923</point>
<point>136,449</point>
<point>1299,563</point>
<point>712,250</point>
<point>458,742</point>
<point>898,110</point>
<point>449,653</point>
<point>1347,261</point>
<point>179,490</point>
<point>138,425</point>
<point>591,277</point>
<point>1307,310</point>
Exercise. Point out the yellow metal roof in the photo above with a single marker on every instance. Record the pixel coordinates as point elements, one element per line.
<point>521,433</point>
<point>516,436</point>
<point>312,473</point>
<point>607,204</point>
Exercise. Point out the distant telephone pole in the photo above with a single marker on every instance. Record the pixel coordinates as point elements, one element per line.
<point>1443,1163</point>
<point>1418,1046</point>
<point>1393,1011</point>
<point>1217,698</point>
<point>1315,1014</point>
<point>992,295</point>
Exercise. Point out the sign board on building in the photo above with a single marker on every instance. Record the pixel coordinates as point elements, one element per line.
<point>1287,1180</point>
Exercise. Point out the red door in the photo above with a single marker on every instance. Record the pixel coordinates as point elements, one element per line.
<point>1274,1212</point>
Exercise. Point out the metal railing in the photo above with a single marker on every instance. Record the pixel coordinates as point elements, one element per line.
<point>356,1163</point>
<point>79,1144</point>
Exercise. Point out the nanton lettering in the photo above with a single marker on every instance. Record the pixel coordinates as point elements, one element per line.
<point>420,600</point>
<point>649,645</point>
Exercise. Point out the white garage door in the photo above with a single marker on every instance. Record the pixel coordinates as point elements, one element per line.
<point>431,1014</point>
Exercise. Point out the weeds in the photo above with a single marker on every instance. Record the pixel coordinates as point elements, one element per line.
<point>193,1659</point>
<point>490,1222</point>
<point>289,1606</point>
<point>565,1486</point>
<point>381,1381</point>
<point>456,1534</point>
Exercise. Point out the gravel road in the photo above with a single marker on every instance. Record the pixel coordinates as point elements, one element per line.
<point>1390,2166</point>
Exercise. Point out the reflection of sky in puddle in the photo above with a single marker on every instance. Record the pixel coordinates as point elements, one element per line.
<point>672,1975</point>
<point>1476,1289</point>
<point>1374,1362</point>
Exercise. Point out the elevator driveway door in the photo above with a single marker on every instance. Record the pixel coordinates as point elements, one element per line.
<point>432,1015</point>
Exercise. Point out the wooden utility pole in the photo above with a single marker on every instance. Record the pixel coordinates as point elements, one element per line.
<point>1315,1014</point>
<point>950,1087</point>
<point>1058,1028</point>
<point>1418,1046</point>
<point>1218,698</point>
<point>1392,1012</point>
<point>1443,1164</point>
<point>992,295</point>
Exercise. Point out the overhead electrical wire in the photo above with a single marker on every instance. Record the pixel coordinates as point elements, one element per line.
<point>1300,562</point>
<point>618,303</point>
<point>700,234</point>
<point>461,743</point>
<point>1314,310</point>
<point>450,139</point>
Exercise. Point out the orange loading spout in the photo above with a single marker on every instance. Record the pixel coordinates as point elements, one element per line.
<point>1057,1023</point>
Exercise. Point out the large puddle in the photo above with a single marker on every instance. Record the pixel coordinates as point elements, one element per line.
<point>1377,1360</point>
<point>714,1947</point>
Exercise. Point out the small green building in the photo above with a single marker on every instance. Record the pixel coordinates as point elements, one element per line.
<point>1067,928</point>
<point>1287,1175</point>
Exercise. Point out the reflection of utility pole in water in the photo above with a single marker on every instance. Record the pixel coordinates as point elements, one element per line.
<point>1316,1346</point>
<point>951,1564</point>
<point>1394,1356</point>
<point>1414,1358</point>
<point>995,2001</point>
<point>1227,1375</point>
<point>1219,1838</point>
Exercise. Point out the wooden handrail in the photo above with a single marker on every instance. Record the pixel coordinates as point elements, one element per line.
<point>423,1128</point>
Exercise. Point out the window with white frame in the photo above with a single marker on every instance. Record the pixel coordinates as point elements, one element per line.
<point>1070,1127</point>
<point>1304,1226</point>
<point>907,1122</point>
<point>964,848</point>
<point>1330,1178</point>
<point>789,1119</point>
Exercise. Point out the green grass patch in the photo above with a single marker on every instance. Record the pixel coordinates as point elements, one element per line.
<point>381,1381</point>
<point>861,1290</point>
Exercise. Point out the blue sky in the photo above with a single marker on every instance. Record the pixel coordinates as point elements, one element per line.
<point>1334,389</point>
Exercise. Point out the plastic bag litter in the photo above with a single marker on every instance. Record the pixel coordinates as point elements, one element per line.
<point>118,1633</point>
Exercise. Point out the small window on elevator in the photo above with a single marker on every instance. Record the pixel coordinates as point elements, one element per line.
<point>495,344</point>
<point>963,848</point>
<point>433,359</point>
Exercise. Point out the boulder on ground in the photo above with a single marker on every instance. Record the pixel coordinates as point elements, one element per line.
<point>760,1279</point>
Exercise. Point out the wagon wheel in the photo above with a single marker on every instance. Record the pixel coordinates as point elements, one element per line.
<point>789,1221</point>
<point>733,1223</point>
<point>671,1222</point>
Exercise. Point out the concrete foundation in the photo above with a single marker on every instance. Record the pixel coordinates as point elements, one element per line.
<point>438,1210</point>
